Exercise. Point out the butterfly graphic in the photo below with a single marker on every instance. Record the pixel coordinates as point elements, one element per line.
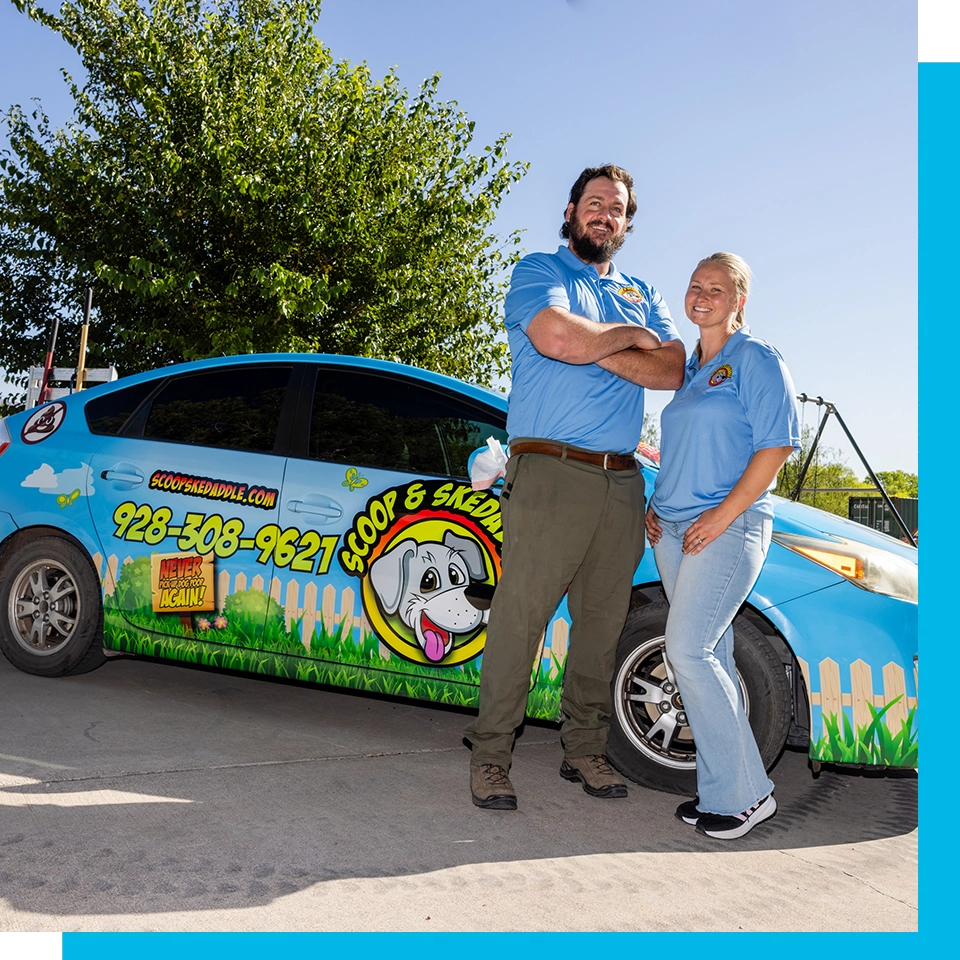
<point>66,499</point>
<point>354,481</point>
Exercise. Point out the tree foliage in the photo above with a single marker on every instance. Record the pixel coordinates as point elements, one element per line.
<point>898,483</point>
<point>827,470</point>
<point>226,186</point>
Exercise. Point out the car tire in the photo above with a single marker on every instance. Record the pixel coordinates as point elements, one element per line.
<point>51,614</point>
<point>650,742</point>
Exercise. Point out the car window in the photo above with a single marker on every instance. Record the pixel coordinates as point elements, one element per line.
<point>107,413</point>
<point>237,408</point>
<point>366,419</point>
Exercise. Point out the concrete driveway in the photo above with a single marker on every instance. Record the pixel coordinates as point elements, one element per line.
<point>153,797</point>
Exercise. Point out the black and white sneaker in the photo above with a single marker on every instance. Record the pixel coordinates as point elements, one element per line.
<point>738,825</point>
<point>688,812</point>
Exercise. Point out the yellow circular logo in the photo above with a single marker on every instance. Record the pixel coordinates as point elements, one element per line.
<point>417,550</point>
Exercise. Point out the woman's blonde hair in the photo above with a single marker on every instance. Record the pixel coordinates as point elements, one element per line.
<point>739,273</point>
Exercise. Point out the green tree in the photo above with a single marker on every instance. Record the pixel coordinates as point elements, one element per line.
<point>650,434</point>
<point>226,186</point>
<point>898,483</point>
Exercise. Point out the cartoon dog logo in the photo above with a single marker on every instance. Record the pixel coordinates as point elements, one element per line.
<point>720,374</point>
<point>424,584</point>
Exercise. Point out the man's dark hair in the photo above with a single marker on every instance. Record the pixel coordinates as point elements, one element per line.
<point>612,172</point>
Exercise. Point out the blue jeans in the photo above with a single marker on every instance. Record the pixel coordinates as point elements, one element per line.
<point>705,591</point>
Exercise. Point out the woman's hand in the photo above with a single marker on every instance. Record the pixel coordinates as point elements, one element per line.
<point>652,522</point>
<point>761,471</point>
<point>705,529</point>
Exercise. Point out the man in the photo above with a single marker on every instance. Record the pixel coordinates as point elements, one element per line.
<point>585,341</point>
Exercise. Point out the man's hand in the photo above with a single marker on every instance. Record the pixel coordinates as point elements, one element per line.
<point>656,369</point>
<point>652,523</point>
<point>562,335</point>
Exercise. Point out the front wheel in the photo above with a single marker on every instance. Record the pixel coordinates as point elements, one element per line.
<point>51,617</point>
<point>650,741</point>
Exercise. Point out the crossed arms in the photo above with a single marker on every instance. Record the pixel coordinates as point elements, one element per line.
<point>630,351</point>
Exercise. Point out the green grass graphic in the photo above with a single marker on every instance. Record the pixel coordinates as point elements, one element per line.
<point>334,658</point>
<point>872,743</point>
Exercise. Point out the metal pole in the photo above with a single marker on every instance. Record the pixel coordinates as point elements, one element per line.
<point>44,393</point>
<point>819,401</point>
<point>873,477</point>
<point>82,362</point>
<point>795,495</point>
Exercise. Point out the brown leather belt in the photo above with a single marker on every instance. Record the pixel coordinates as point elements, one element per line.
<point>609,461</point>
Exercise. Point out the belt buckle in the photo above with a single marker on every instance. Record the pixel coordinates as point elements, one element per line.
<point>605,460</point>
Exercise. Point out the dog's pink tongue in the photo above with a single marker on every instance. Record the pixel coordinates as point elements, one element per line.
<point>435,640</point>
<point>434,647</point>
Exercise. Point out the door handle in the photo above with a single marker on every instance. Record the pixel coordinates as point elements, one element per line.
<point>323,508</point>
<point>122,477</point>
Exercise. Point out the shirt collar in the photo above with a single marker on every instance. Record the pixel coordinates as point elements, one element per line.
<point>575,264</point>
<point>725,351</point>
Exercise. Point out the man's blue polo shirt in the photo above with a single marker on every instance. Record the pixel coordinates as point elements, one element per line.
<point>742,401</point>
<point>580,404</point>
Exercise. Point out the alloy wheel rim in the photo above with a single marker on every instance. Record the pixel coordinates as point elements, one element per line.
<point>650,710</point>
<point>44,607</point>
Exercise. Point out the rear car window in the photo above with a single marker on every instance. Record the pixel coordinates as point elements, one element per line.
<point>237,408</point>
<point>107,413</point>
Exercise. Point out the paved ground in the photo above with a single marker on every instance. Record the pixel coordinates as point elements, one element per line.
<point>146,796</point>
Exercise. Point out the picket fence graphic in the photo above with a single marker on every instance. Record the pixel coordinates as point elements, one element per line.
<point>326,612</point>
<point>830,699</point>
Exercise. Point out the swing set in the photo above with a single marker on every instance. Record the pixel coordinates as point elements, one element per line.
<point>831,409</point>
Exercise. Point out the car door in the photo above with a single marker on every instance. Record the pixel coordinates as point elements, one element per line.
<point>390,531</point>
<point>186,508</point>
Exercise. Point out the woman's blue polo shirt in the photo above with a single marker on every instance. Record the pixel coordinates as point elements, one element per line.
<point>742,401</point>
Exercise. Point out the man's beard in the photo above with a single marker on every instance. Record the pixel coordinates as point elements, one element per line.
<point>589,250</point>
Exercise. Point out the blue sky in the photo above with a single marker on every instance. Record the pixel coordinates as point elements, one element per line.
<point>784,132</point>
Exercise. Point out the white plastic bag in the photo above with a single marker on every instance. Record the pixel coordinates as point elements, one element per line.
<point>489,466</point>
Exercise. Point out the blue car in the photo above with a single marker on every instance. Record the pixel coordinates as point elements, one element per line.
<point>313,517</point>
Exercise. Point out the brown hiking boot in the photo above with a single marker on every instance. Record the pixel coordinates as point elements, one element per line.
<point>491,787</point>
<point>596,775</point>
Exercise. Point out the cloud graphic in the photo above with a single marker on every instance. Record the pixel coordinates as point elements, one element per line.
<point>46,480</point>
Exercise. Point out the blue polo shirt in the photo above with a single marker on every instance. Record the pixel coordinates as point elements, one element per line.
<point>742,401</point>
<point>580,404</point>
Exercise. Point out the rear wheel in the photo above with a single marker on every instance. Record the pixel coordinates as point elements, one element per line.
<point>650,741</point>
<point>51,617</point>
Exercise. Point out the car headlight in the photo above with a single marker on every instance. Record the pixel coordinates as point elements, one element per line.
<point>868,567</point>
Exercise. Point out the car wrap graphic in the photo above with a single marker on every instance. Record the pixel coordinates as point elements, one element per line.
<point>212,489</point>
<point>186,584</point>
<point>416,548</point>
<point>70,483</point>
<point>44,423</point>
<point>303,551</point>
<point>181,584</point>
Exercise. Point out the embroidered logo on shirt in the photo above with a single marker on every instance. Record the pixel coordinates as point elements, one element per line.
<point>631,293</point>
<point>720,374</point>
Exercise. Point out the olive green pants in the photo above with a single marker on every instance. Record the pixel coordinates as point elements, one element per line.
<point>568,527</point>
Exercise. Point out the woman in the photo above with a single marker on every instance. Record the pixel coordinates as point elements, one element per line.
<point>725,435</point>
